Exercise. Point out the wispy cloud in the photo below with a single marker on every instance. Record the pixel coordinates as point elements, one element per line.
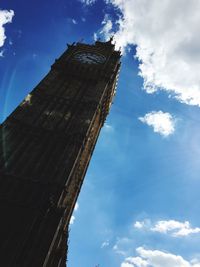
<point>88,2</point>
<point>2,53</point>
<point>171,227</point>
<point>5,17</point>
<point>157,258</point>
<point>74,21</point>
<point>122,246</point>
<point>107,28</point>
<point>162,122</point>
<point>105,244</point>
<point>118,250</point>
<point>108,128</point>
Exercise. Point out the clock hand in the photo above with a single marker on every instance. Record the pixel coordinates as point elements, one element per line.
<point>93,59</point>
<point>89,59</point>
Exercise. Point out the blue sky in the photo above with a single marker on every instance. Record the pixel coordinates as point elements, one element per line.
<point>139,204</point>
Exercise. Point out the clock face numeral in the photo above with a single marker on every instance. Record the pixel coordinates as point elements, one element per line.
<point>90,58</point>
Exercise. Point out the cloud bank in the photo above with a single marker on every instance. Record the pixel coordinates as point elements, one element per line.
<point>167,37</point>
<point>5,17</point>
<point>162,122</point>
<point>157,258</point>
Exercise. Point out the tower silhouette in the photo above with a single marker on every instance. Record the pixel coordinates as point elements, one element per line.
<point>45,148</point>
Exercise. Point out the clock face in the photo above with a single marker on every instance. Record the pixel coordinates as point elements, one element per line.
<point>90,58</point>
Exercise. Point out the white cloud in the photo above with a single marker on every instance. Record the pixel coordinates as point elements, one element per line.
<point>139,225</point>
<point>145,224</point>
<point>167,37</point>
<point>72,219</point>
<point>136,261</point>
<point>107,29</point>
<point>175,228</point>
<point>76,206</point>
<point>157,258</point>
<point>126,264</point>
<point>88,2</point>
<point>171,227</point>
<point>162,122</point>
<point>5,17</point>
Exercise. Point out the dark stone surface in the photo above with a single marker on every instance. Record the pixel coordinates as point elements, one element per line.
<point>45,149</point>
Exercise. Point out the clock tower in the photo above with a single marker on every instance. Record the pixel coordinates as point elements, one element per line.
<point>45,148</point>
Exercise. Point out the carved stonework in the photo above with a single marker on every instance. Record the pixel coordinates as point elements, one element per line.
<point>45,148</point>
